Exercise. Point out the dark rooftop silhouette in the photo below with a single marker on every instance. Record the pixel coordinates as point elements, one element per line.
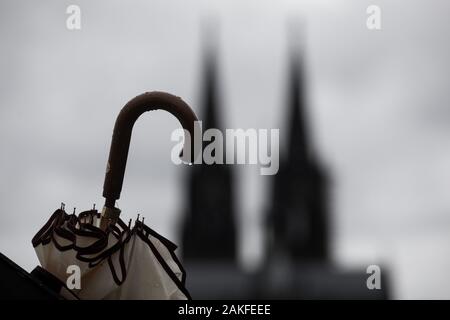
<point>16,283</point>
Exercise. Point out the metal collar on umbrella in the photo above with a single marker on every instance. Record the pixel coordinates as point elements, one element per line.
<point>120,143</point>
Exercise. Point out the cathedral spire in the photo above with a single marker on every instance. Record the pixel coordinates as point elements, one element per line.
<point>209,232</point>
<point>210,93</point>
<point>297,125</point>
<point>297,223</point>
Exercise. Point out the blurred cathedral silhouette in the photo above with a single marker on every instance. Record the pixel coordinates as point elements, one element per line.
<point>297,262</point>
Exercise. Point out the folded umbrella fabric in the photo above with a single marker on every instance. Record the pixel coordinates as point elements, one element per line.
<point>118,263</point>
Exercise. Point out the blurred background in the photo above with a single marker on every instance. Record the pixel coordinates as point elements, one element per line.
<point>364,137</point>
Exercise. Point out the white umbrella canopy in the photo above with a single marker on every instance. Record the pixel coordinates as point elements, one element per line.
<point>118,263</point>
<point>116,260</point>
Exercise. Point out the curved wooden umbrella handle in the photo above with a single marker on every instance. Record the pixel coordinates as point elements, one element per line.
<point>122,134</point>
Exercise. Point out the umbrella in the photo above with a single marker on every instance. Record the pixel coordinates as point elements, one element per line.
<point>95,255</point>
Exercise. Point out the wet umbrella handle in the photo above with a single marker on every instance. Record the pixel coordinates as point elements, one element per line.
<point>122,134</point>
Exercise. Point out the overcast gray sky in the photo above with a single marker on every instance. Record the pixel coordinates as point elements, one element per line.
<point>379,107</point>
